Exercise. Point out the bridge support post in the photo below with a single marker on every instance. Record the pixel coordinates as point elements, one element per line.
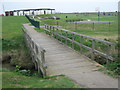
<point>81,40</point>
<point>61,35</point>
<point>66,37</point>
<point>73,36</point>
<point>92,51</point>
<point>53,31</point>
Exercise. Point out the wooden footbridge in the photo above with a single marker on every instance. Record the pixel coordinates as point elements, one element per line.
<point>51,57</point>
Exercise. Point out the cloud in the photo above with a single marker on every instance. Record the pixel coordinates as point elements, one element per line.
<point>60,1</point>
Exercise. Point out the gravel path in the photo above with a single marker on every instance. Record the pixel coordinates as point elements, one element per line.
<point>91,22</point>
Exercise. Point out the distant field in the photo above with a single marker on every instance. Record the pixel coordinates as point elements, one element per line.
<point>102,31</point>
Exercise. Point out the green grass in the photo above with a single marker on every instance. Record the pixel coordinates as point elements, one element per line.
<point>14,46</point>
<point>39,30</point>
<point>12,26</point>
<point>112,69</point>
<point>11,32</point>
<point>15,80</point>
<point>101,31</point>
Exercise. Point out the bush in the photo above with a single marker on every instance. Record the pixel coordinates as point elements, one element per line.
<point>114,66</point>
<point>17,68</point>
<point>23,72</point>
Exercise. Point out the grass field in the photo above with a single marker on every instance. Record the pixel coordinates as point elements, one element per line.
<point>15,52</point>
<point>13,45</point>
<point>16,80</point>
<point>102,31</point>
<point>105,31</point>
<point>11,32</point>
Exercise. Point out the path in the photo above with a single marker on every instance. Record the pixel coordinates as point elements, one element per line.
<point>61,59</point>
<point>91,22</point>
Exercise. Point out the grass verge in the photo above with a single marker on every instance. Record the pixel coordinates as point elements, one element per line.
<point>15,52</point>
<point>16,80</point>
<point>108,32</point>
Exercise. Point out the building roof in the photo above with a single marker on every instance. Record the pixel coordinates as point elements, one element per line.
<point>34,9</point>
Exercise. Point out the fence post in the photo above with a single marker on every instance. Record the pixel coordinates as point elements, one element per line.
<point>109,27</point>
<point>50,31</point>
<point>45,25</point>
<point>73,40</point>
<point>47,29</point>
<point>61,35</point>
<point>44,65</point>
<point>75,25</point>
<point>56,33</point>
<point>108,53</point>
<point>81,41</point>
<point>66,37</point>
<point>92,51</point>
<point>53,31</point>
<point>93,26</point>
<point>57,23</point>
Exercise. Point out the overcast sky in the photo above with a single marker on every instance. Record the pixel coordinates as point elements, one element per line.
<point>61,5</point>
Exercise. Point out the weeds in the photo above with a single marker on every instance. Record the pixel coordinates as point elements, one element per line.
<point>23,72</point>
<point>100,30</point>
<point>114,67</point>
<point>17,68</point>
<point>13,43</point>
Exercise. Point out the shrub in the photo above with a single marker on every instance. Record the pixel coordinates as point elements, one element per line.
<point>114,66</point>
<point>17,68</point>
<point>25,72</point>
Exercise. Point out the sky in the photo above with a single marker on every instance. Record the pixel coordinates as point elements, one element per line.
<point>61,5</point>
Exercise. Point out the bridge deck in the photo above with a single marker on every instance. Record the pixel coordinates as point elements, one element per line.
<point>61,59</point>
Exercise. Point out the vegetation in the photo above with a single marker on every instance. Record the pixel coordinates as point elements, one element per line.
<point>13,46</point>
<point>108,32</point>
<point>15,53</point>
<point>18,80</point>
<point>112,69</point>
<point>102,31</point>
